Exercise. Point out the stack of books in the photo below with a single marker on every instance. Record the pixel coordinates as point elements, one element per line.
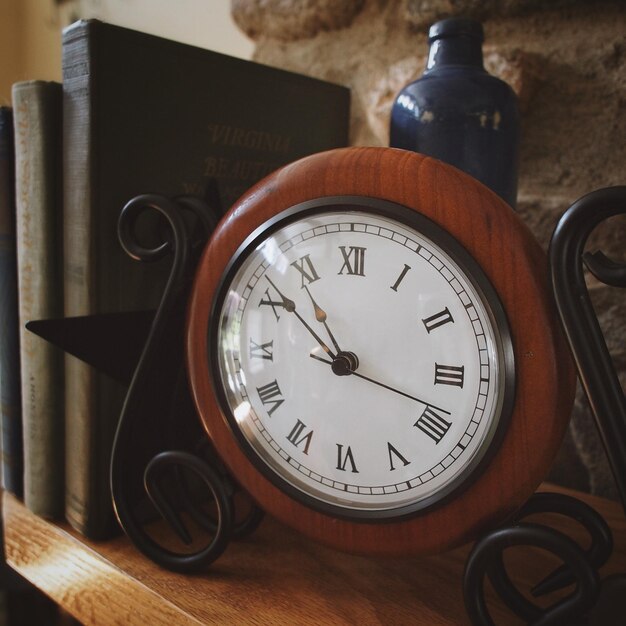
<point>134,114</point>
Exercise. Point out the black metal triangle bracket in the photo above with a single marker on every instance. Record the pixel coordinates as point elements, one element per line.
<point>110,342</point>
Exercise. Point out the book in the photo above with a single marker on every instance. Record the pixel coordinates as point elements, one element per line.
<point>37,108</point>
<point>146,115</point>
<point>10,395</point>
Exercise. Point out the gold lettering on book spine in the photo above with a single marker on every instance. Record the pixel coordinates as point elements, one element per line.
<point>250,139</point>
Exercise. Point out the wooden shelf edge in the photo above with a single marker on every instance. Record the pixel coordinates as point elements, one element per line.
<point>77,576</point>
<point>275,576</point>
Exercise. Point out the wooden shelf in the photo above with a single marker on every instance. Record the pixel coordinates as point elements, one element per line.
<point>275,576</point>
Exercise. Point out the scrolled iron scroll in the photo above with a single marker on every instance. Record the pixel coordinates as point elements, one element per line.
<point>606,398</point>
<point>593,361</point>
<point>158,429</point>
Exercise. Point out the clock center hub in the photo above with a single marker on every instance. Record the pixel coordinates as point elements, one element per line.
<point>345,363</point>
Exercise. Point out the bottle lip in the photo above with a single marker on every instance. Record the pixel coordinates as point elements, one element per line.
<point>455,26</point>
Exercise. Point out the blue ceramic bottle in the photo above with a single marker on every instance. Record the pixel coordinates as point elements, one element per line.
<point>458,113</point>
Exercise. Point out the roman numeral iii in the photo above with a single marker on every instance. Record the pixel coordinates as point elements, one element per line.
<point>449,375</point>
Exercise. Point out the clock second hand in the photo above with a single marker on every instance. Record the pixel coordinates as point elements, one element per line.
<point>376,382</point>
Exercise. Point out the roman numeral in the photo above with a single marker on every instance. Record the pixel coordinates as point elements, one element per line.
<point>342,459</point>
<point>297,437</point>
<point>270,394</point>
<point>353,260</point>
<point>308,274</point>
<point>401,277</point>
<point>269,302</point>
<point>393,452</point>
<point>438,319</point>
<point>262,351</point>
<point>449,375</point>
<point>433,424</point>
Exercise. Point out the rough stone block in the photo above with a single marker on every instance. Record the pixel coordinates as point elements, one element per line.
<point>520,69</point>
<point>289,20</point>
<point>422,13</point>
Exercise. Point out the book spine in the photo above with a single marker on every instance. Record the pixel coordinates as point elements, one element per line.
<point>10,394</point>
<point>38,122</point>
<point>79,255</point>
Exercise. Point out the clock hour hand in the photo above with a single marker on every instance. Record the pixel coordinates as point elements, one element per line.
<point>320,316</point>
<point>350,371</point>
<point>290,306</point>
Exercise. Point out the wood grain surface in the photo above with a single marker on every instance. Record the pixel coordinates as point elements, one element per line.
<point>516,267</point>
<point>274,577</point>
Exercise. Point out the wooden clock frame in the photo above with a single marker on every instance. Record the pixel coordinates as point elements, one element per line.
<point>517,269</point>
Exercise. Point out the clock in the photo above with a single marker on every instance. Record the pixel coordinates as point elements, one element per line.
<point>373,352</point>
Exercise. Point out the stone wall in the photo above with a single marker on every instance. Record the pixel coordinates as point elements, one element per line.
<point>566,60</point>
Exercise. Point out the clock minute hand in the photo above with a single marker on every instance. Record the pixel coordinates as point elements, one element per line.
<point>290,306</point>
<point>384,385</point>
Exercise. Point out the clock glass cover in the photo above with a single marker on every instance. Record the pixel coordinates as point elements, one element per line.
<point>361,358</point>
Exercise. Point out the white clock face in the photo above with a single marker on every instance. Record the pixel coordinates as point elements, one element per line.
<point>362,367</point>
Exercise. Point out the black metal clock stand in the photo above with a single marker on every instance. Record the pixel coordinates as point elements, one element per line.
<point>593,602</point>
<point>170,444</point>
<point>158,440</point>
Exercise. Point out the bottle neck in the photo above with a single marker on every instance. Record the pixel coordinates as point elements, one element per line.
<point>450,51</point>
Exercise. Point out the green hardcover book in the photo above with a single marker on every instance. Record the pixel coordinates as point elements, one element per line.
<point>37,110</point>
<point>146,115</point>
<point>10,394</point>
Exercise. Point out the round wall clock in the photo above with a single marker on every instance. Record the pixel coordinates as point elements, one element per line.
<point>373,352</point>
